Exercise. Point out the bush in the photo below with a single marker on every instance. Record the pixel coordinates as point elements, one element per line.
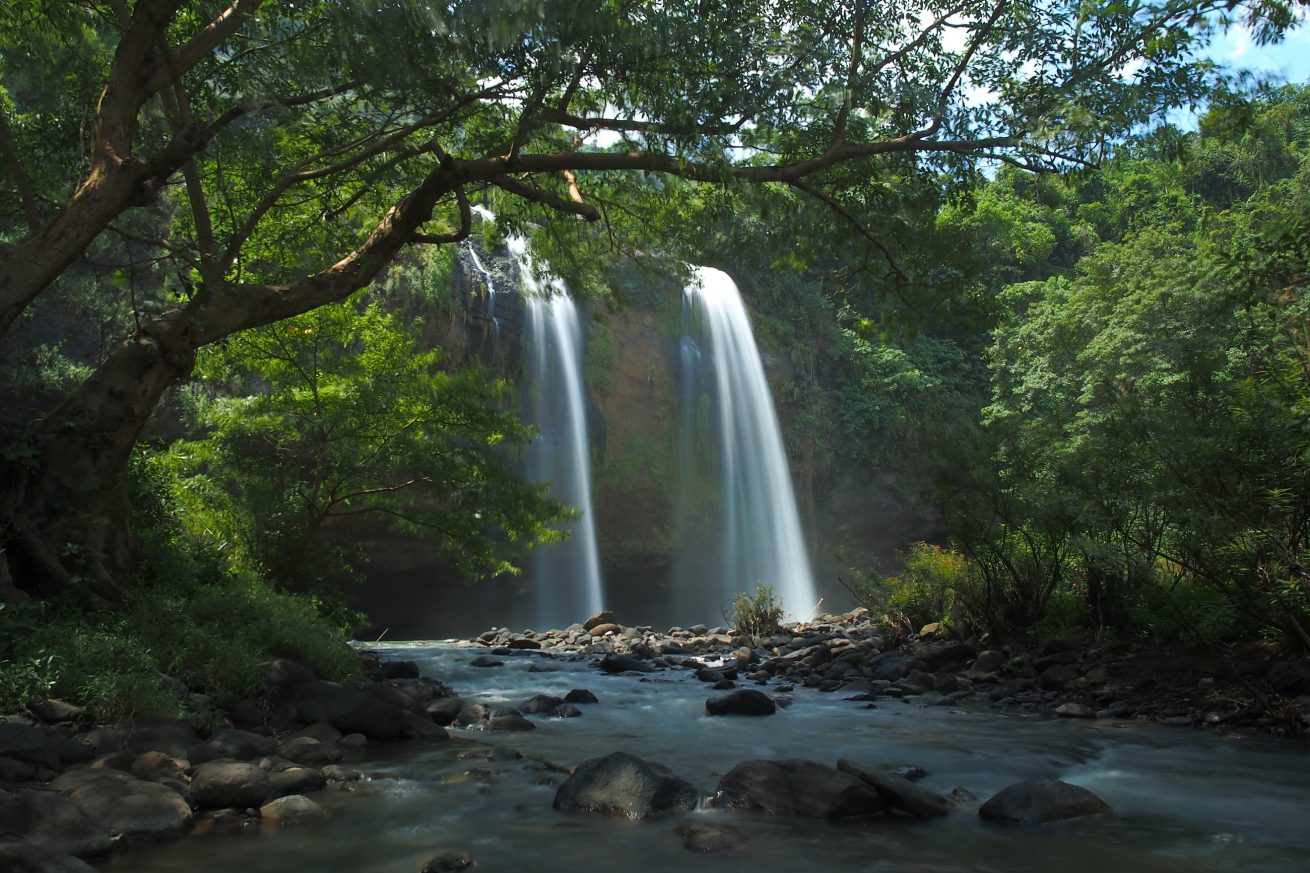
<point>756,615</point>
<point>924,591</point>
<point>191,622</point>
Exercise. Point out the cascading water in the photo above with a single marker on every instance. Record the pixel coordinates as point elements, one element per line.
<point>761,541</point>
<point>567,574</point>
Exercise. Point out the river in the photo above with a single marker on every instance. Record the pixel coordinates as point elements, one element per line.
<point>1184,800</point>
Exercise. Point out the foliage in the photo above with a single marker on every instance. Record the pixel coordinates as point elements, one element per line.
<point>338,415</point>
<point>755,614</point>
<point>193,622</point>
<point>924,590</point>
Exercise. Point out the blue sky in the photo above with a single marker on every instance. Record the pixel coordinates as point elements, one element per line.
<point>1288,60</point>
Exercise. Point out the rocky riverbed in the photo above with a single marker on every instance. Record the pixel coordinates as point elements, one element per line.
<point>569,729</point>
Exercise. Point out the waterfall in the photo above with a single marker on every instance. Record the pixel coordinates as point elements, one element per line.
<point>567,575</point>
<point>760,541</point>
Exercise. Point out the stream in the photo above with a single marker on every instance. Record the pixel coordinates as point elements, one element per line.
<point>1183,799</point>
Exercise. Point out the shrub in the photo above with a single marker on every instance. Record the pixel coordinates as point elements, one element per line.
<point>756,615</point>
<point>924,591</point>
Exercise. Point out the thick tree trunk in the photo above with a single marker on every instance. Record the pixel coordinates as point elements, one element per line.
<point>64,514</point>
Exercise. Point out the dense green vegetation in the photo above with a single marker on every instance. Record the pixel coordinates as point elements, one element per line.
<point>1100,376</point>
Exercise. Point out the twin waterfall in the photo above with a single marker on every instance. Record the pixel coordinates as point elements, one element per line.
<point>751,525</point>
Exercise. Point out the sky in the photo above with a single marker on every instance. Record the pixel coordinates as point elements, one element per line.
<point>1289,60</point>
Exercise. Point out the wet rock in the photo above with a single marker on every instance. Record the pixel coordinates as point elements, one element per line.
<point>471,714</point>
<point>219,784</point>
<point>353,747</point>
<point>988,662</point>
<point>805,789</point>
<point>291,810</point>
<point>541,704</point>
<point>618,663</point>
<point>17,856</point>
<point>294,780</point>
<point>1075,710</point>
<point>899,793</point>
<point>891,666</point>
<point>232,743</point>
<point>745,701</point>
<point>445,711</point>
<point>417,727</point>
<point>1040,802</point>
<point>509,721</point>
<point>448,862</point>
<point>709,837</point>
<point>399,670</point>
<point>625,785</point>
<point>949,657</point>
<point>337,773</point>
<point>172,736</point>
<point>130,809</point>
<point>308,750</point>
<point>566,710</point>
<point>504,753</point>
<point>49,819</point>
<point>524,643</point>
<point>486,661</point>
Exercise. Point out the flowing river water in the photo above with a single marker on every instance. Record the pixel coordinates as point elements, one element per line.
<point>1184,800</point>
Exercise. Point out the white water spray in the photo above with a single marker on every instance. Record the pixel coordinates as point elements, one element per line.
<point>567,574</point>
<point>761,536</point>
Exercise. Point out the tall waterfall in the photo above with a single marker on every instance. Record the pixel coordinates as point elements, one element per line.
<point>760,541</point>
<point>567,574</point>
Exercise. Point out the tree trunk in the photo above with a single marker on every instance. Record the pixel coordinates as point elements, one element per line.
<point>64,511</point>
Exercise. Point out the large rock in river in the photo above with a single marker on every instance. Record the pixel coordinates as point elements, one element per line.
<point>17,856</point>
<point>623,784</point>
<point>50,819</point>
<point>899,793</point>
<point>746,701</point>
<point>132,810</point>
<point>348,710</point>
<point>798,788</point>
<point>1041,801</point>
<point>219,784</point>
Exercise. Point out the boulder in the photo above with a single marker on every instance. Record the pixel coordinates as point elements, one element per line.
<point>1075,710</point>
<point>399,670</point>
<point>625,785</point>
<point>891,666</point>
<point>745,701</point>
<point>566,710</point>
<point>580,695</point>
<point>69,749</point>
<point>541,704</point>
<point>1291,678</point>
<point>154,766</point>
<point>319,730</point>
<point>949,657</point>
<point>899,793</point>
<point>348,710</point>
<point>282,676</point>
<point>233,743</point>
<point>25,743</point>
<point>291,810</point>
<point>797,788</point>
<point>1057,676</point>
<point>55,711</point>
<point>130,809</point>
<point>419,727</point>
<point>13,771</point>
<point>1041,801</point>
<point>308,750</point>
<point>229,783</point>
<point>509,721</point>
<point>17,856</point>
<point>607,628</point>
<point>444,711</point>
<point>294,780</point>
<point>616,663</point>
<point>605,616</point>
<point>988,662</point>
<point>49,819</point>
<point>485,661</point>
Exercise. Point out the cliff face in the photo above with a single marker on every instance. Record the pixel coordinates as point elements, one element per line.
<point>646,525</point>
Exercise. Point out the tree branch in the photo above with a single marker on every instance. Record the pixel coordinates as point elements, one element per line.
<point>26,192</point>
<point>837,207</point>
<point>549,198</point>
<point>857,49</point>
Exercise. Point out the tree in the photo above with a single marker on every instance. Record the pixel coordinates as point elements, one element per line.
<point>274,157</point>
<point>348,418</point>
